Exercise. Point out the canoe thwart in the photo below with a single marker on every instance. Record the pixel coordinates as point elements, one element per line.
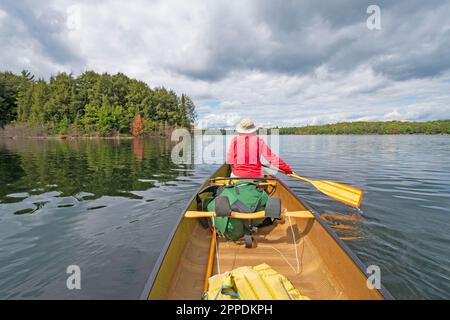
<point>235,215</point>
<point>235,179</point>
<point>259,184</point>
<point>246,216</point>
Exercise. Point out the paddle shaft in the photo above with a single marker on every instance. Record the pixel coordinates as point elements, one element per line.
<point>297,177</point>
<point>338,191</point>
<point>288,174</point>
<point>209,267</point>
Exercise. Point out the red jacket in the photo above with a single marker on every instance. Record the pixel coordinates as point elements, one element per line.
<point>244,154</point>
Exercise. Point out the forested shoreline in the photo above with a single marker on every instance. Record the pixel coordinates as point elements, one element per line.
<point>91,104</point>
<point>376,127</point>
<point>104,105</point>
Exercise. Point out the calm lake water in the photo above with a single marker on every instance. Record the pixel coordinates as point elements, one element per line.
<point>108,207</point>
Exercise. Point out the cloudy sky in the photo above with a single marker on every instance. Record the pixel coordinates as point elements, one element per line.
<point>280,62</point>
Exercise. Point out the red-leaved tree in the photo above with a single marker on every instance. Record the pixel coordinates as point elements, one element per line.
<point>137,127</point>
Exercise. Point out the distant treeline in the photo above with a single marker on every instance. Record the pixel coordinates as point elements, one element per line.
<point>363,127</point>
<point>90,104</point>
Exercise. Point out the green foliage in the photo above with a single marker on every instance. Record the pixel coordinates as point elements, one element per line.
<point>64,125</point>
<point>94,104</point>
<point>188,113</point>
<point>9,84</point>
<point>362,127</point>
<point>24,94</point>
<point>105,122</point>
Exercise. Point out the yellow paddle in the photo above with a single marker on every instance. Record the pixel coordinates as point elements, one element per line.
<point>346,194</point>
<point>341,192</point>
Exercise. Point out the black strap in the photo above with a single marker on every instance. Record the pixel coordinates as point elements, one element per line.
<point>214,189</point>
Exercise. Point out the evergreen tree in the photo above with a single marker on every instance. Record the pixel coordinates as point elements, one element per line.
<point>8,92</point>
<point>24,95</point>
<point>189,111</point>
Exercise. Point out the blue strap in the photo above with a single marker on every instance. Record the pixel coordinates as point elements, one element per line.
<point>232,294</point>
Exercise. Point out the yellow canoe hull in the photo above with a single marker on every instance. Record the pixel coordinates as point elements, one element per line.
<point>302,248</point>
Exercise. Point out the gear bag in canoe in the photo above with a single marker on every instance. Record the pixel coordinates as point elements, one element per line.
<point>243,197</point>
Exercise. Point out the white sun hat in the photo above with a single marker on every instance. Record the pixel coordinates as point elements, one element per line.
<point>246,126</point>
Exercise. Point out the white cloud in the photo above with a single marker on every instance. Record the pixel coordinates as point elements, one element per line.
<point>218,120</point>
<point>280,63</point>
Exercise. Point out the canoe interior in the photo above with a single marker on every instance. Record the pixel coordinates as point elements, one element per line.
<point>326,270</point>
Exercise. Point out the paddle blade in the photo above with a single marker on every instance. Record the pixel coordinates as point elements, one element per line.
<point>341,192</point>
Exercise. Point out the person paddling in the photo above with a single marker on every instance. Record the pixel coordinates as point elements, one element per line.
<point>245,151</point>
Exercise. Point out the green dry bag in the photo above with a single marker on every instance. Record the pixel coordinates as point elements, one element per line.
<point>243,197</point>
